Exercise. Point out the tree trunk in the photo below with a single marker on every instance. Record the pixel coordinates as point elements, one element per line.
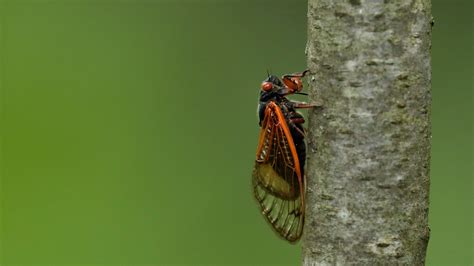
<point>369,146</point>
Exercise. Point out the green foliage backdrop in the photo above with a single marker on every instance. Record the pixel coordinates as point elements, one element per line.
<point>129,129</point>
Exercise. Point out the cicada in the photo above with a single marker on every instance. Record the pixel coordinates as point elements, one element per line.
<point>278,177</point>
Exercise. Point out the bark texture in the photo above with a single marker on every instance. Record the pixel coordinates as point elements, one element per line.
<point>369,146</point>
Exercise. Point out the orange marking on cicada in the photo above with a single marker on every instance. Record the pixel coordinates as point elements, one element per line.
<point>261,139</point>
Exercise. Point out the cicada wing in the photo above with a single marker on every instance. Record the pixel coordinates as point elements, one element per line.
<point>277,181</point>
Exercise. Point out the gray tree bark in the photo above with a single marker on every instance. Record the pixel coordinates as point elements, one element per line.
<point>369,146</point>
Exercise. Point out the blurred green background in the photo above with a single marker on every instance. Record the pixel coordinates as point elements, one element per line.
<point>129,129</point>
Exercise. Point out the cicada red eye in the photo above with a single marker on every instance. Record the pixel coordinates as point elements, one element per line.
<point>267,86</point>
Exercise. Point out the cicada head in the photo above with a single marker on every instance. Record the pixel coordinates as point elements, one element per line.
<point>271,83</point>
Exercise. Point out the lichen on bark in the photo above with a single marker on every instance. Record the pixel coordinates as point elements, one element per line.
<point>369,146</point>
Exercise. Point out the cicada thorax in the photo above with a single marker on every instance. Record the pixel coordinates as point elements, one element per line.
<point>278,173</point>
